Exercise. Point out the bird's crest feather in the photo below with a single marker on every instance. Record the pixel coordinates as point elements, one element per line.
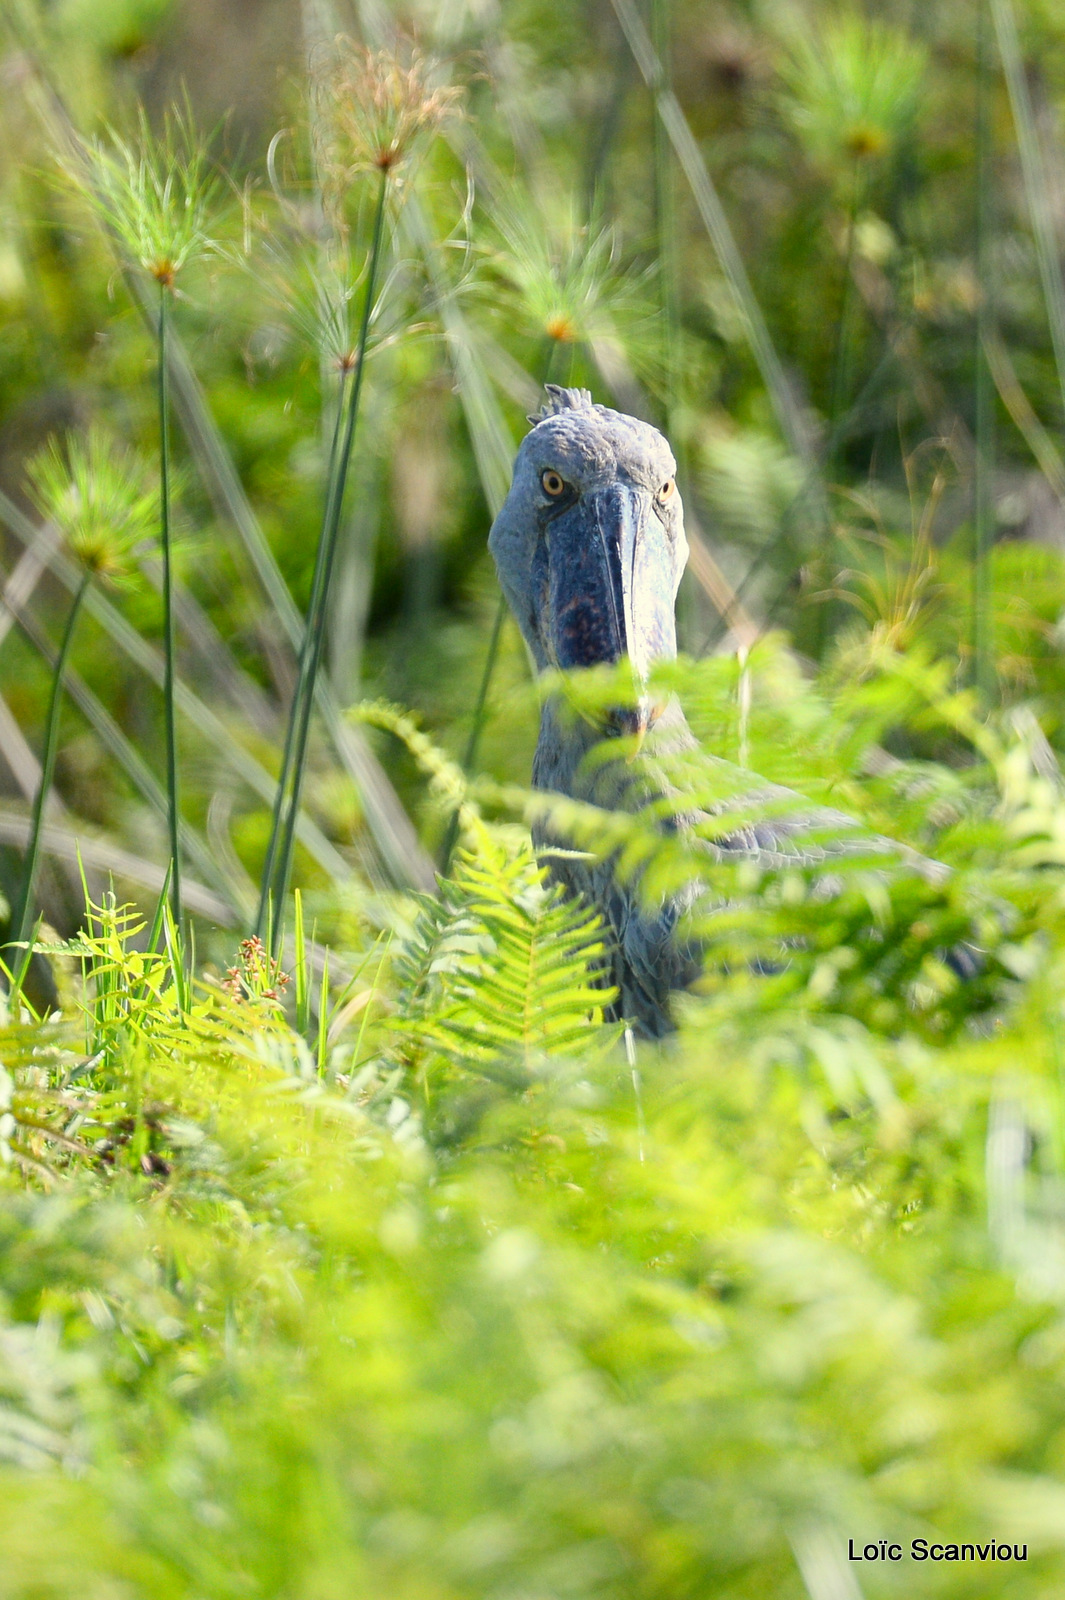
<point>560,399</point>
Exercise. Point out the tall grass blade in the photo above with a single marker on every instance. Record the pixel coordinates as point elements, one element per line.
<point>22,912</point>
<point>596,190</point>
<point>15,748</point>
<point>212,652</point>
<point>178,956</point>
<point>493,444</point>
<point>303,689</point>
<point>65,842</point>
<point>169,641</point>
<point>18,973</point>
<point>18,588</point>
<point>216,468</point>
<point>390,827</point>
<point>493,449</point>
<point>156,930</point>
<point>322,1050</point>
<point>311,654</point>
<point>712,212</point>
<point>983,509</point>
<point>26,574</point>
<point>123,751</point>
<point>665,216</point>
<point>1037,188</point>
<point>253,773</point>
<point>470,755</point>
<point>301,968</point>
<point>1022,414</point>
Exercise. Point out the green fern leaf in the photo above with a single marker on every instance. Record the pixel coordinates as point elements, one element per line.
<point>500,969</point>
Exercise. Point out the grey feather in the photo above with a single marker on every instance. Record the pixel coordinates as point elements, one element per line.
<point>589,546</point>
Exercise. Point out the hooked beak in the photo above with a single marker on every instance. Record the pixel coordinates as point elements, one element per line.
<point>611,580</point>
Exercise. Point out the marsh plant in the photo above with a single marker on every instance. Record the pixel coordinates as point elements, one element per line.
<point>157,195</point>
<point>375,110</point>
<point>851,90</point>
<point>565,282</point>
<point>98,496</point>
<point>359,1256</point>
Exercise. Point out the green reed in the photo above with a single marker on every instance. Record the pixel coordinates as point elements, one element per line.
<point>277,868</point>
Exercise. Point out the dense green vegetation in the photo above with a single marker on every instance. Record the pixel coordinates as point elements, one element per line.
<point>365,1257</point>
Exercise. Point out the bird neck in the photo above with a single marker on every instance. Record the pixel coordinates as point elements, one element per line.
<point>565,739</point>
<point>564,763</point>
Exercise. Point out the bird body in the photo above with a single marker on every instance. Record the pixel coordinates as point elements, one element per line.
<point>590,548</point>
<point>647,957</point>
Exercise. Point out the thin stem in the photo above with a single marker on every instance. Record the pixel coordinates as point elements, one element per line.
<point>982,641</point>
<point>846,292</point>
<point>641,1125</point>
<point>271,862</point>
<point>475,731</point>
<point>20,922</point>
<point>665,213</point>
<point>169,650</point>
<point>797,509</point>
<point>303,701</point>
<point>1039,190</point>
<point>666,239</point>
<point>823,618</point>
<point>608,122</point>
<point>712,213</point>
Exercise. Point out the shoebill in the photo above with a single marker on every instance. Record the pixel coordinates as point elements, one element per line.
<point>589,546</point>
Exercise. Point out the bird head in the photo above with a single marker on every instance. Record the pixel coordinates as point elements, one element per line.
<point>589,543</point>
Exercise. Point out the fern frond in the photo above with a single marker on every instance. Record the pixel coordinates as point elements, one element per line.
<point>501,971</point>
<point>447,781</point>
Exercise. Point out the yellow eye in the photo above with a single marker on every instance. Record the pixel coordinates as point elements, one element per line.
<point>552,483</point>
<point>667,491</point>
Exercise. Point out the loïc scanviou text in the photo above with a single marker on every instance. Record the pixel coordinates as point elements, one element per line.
<point>926,1550</point>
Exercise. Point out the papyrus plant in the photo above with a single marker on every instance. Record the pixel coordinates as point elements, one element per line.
<point>374,111</point>
<point>100,499</point>
<point>156,194</point>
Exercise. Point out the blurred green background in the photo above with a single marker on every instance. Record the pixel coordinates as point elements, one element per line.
<point>854,363</point>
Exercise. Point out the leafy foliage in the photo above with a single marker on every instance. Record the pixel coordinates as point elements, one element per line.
<point>499,966</point>
<point>436,1299</point>
<point>404,1276</point>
